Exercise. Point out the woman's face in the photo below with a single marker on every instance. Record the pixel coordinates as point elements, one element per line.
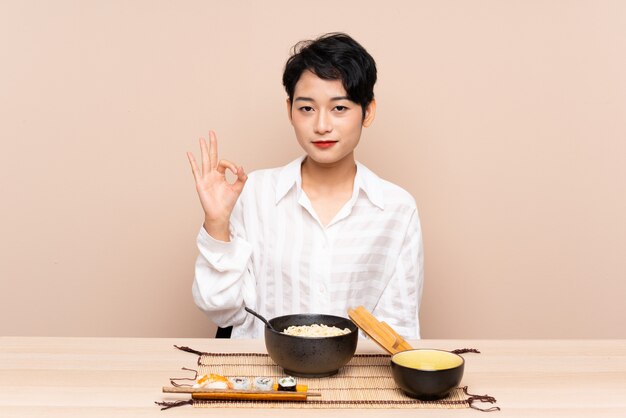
<point>327,124</point>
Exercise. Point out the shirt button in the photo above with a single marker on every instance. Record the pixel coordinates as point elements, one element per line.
<point>322,288</point>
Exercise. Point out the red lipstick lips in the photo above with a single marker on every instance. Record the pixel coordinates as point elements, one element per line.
<point>324,144</point>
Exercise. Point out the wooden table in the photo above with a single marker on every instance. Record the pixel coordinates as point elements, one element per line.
<point>111,377</point>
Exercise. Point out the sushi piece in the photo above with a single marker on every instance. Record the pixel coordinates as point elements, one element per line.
<point>240,382</point>
<point>213,381</point>
<point>264,383</point>
<point>287,384</point>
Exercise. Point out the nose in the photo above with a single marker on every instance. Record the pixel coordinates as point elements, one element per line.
<point>323,124</point>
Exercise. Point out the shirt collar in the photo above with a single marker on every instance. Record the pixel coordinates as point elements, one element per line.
<point>291,175</point>
<point>371,184</point>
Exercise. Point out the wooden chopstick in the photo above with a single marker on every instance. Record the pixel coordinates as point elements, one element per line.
<point>372,329</point>
<point>284,396</point>
<point>236,394</point>
<point>400,343</point>
<point>380,332</point>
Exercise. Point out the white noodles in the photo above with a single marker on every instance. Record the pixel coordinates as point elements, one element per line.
<point>315,330</point>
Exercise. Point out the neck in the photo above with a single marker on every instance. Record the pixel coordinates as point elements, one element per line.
<point>329,177</point>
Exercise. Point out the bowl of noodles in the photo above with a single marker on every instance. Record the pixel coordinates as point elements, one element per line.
<point>311,345</point>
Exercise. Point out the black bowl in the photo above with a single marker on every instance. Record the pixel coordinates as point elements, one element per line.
<point>306,356</point>
<point>427,374</point>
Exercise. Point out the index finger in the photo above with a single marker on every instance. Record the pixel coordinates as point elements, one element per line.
<point>213,150</point>
<point>194,167</point>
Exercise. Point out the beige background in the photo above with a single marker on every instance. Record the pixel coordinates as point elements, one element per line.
<point>505,119</point>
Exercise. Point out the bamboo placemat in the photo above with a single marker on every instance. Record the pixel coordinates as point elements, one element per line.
<point>365,382</point>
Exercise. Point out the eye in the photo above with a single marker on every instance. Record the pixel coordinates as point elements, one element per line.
<point>306,108</point>
<point>341,108</point>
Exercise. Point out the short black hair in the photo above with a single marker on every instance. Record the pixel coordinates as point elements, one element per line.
<point>334,56</point>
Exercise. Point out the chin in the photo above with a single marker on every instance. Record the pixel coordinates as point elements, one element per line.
<point>326,159</point>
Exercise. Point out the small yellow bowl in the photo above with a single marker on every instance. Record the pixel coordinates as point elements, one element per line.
<point>427,374</point>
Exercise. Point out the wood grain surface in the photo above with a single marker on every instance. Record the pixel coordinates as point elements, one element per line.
<point>122,377</point>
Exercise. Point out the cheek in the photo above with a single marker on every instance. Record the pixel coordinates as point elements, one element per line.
<point>298,123</point>
<point>351,127</point>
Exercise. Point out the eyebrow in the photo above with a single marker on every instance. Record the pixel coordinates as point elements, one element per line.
<point>309,99</point>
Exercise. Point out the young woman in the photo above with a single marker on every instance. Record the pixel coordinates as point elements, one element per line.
<point>321,234</point>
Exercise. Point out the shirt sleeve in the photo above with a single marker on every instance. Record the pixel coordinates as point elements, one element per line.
<point>400,300</point>
<point>224,282</point>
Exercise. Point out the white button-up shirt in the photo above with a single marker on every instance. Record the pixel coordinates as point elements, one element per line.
<point>282,260</point>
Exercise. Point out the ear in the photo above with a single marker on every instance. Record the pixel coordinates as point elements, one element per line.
<point>289,109</point>
<point>370,113</point>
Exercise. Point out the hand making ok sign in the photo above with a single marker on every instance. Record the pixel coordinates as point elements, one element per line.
<point>217,195</point>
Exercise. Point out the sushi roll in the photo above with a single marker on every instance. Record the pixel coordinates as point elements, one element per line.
<point>213,381</point>
<point>240,383</point>
<point>264,383</point>
<point>288,384</point>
